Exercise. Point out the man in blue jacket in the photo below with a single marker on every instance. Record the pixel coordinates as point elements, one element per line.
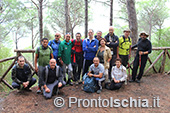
<point>90,47</point>
<point>55,46</point>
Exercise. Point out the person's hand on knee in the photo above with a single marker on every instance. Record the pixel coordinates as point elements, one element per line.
<point>47,90</point>
<point>59,84</point>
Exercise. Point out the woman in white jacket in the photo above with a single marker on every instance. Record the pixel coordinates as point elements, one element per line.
<point>118,75</point>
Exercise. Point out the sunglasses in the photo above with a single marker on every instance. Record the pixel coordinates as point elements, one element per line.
<point>57,35</point>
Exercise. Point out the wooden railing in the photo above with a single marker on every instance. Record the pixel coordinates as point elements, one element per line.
<point>164,53</point>
<point>19,53</point>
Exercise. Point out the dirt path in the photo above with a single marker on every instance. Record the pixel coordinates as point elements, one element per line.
<point>151,86</point>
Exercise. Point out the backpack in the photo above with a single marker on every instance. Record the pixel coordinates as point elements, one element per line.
<point>75,41</point>
<point>90,85</point>
<point>47,70</point>
<point>124,42</point>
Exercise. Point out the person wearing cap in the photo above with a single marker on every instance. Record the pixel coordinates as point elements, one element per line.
<point>65,57</point>
<point>144,48</point>
<point>112,43</point>
<point>55,46</point>
<point>124,48</point>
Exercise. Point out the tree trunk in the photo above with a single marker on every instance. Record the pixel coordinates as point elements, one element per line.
<point>16,40</point>
<point>133,25</point>
<point>67,17</point>
<point>32,31</point>
<point>86,18</point>
<point>40,20</point>
<point>111,12</point>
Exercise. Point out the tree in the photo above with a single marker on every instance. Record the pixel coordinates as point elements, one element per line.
<point>152,14</point>
<point>132,19</point>
<point>111,12</point>
<point>86,18</point>
<point>58,20</point>
<point>39,7</point>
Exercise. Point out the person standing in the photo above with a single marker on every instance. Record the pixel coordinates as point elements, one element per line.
<point>90,47</point>
<point>77,57</point>
<point>144,48</point>
<point>43,54</point>
<point>98,35</point>
<point>55,46</point>
<point>124,48</point>
<point>104,55</point>
<point>65,57</point>
<point>112,43</point>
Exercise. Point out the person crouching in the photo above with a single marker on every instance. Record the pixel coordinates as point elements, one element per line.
<point>118,75</point>
<point>52,79</point>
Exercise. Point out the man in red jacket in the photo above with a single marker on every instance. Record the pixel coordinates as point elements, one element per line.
<point>77,57</point>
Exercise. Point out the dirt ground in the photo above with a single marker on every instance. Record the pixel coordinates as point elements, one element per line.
<point>150,87</point>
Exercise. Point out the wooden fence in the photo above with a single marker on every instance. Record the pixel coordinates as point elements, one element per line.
<point>164,53</point>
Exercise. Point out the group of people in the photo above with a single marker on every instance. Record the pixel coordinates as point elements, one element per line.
<point>104,59</point>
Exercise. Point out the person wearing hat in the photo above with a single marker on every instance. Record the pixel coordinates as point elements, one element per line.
<point>55,46</point>
<point>124,48</point>
<point>144,48</point>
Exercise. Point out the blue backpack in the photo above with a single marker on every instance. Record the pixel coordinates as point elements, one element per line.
<point>90,84</point>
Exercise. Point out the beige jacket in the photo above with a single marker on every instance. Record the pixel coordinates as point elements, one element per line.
<point>107,55</point>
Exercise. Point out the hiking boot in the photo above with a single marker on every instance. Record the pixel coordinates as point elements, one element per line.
<point>137,81</point>
<point>131,80</point>
<point>39,91</point>
<point>99,91</point>
<point>69,82</point>
<point>107,86</point>
<point>27,89</point>
<point>79,81</point>
<point>82,87</point>
<point>76,83</point>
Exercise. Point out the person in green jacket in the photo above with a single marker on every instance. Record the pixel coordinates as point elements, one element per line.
<point>65,57</point>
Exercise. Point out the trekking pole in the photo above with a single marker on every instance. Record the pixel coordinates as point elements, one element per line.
<point>139,61</point>
<point>128,74</point>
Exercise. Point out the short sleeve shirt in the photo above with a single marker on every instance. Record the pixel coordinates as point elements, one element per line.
<point>97,70</point>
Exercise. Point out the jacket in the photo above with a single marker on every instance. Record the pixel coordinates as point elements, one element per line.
<point>90,48</point>
<point>113,46</point>
<point>143,45</point>
<point>107,55</point>
<point>20,75</point>
<point>119,73</point>
<point>55,46</point>
<point>59,74</point>
<point>65,51</point>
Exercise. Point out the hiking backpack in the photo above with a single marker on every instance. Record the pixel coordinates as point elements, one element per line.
<point>90,84</point>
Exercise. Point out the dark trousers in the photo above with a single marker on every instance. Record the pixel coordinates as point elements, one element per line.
<point>115,86</point>
<point>112,63</point>
<point>86,65</point>
<point>124,59</point>
<point>136,65</point>
<point>16,85</point>
<point>77,67</point>
<point>40,72</point>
